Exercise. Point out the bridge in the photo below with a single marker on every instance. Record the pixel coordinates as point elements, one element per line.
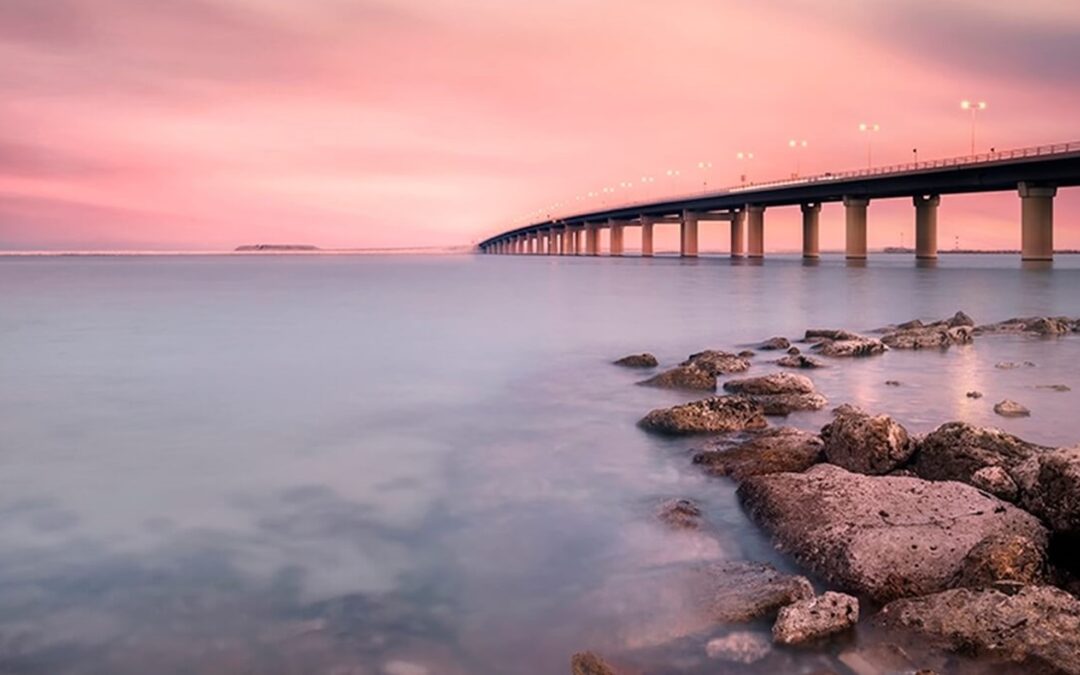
<point>1035,173</point>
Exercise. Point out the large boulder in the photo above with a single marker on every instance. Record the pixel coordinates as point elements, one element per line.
<point>718,362</point>
<point>939,336</point>
<point>638,361</point>
<point>1050,488</point>
<point>1037,628</point>
<point>882,536</point>
<point>779,393</point>
<point>957,450</point>
<point>717,414</point>
<point>683,377</point>
<point>872,444</point>
<point>770,451</point>
<point>815,618</point>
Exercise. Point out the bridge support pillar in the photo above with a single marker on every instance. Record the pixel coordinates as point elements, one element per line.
<point>755,231</point>
<point>811,227</point>
<point>592,239</point>
<point>646,238</point>
<point>1037,222</point>
<point>926,226</point>
<point>564,242</point>
<point>553,242</point>
<point>615,241</point>
<point>855,227</point>
<point>738,233</point>
<point>688,247</point>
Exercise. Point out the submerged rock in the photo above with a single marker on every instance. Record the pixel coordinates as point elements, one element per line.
<point>883,536</point>
<point>1060,388</point>
<point>814,334</point>
<point>770,451</point>
<point>928,337</point>
<point>681,514</point>
<point>739,647</point>
<point>588,663</point>
<point>718,363</point>
<point>1008,408</point>
<point>974,394</point>
<point>794,351</point>
<point>1006,560</point>
<point>815,618</point>
<point>683,377</point>
<point>747,354</point>
<point>854,346</point>
<point>775,343</point>
<point>871,444</point>
<point>711,415</point>
<point>1038,627</point>
<point>1036,325</point>
<point>779,393</point>
<point>799,361</point>
<point>638,361</point>
<point>1012,365</point>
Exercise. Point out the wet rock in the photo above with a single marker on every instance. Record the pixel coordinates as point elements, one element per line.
<point>856,346</point>
<point>775,343</point>
<point>779,393</point>
<point>739,647</point>
<point>996,481</point>
<point>683,377</point>
<point>1050,488</point>
<point>1008,408</point>
<point>770,451</point>
<point>1037,325</point>
<point>815,618</point>
<point>588,663</point>
<point>883,536</point>
<point>1038,627</point>
<point>974,394</point>
<point>800,361</point>
<point>892,383</point>
<point>871,444</point>
<point>711,415</point>
<point>815,334</point>
<point>681,514</point>
<point>718,363</point>
<point>928,337</point>
<point>1060,388</point>
<point>1012,365</point>
<point>956,450</point>
<point>746,354</point>
<point>1006,560</point>
<point>794,351</point>
<point>638,361</point>
<point>961,319</point>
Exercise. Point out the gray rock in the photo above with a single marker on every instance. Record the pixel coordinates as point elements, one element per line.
<point>1006,560</point>
<point>996,481</point>
<point>739,647</point>
<point>718,363</point>
<point>974,394</point>
<point>883,536</point>
<point>799,361</point>
<point>961,319</point>
<point>1060,388</point>
<point>794,351</point>
<point>871,444</point>
<point>1013,365</point>
<point>638,361</point>
<point>776,383</point>
<point>711,415</point>
<point>1050,488</point>
<point>1039,627</point>
<point>747,354</point>
<point>683,377</point>
<point>814,334</point>
<point>775,343</point>
<point>1008,408</point>
<point>1036,325</point>
<point>892,383</point>
<point>857,346</point>
<point>956,450</point>
<point>785,404</point>
<point>588,663</point>
<point>681,514</point>
<point>770,451</point>
<point>928,337</point>
<point>815,618</point>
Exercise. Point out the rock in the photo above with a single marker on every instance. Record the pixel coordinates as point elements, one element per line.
<point>718,363</point>
<point>928,337</point>
<point>799,361</point>
<point>1050,488</point>
<point>879,659</point>
<point>857,346</point>
<point>1039,627</point>
<point>1060,388</point>
<point>1006,560</point>
<point>794,351</point>
<point>1036,325</point>
<point>961,319</point>
<point>711,415</point>
<point>1012,365</point>
<point>779,393</point>
<point>588,663</point>
<point>683,377</point>
<point>746,354</point>
<point>775,343</point>
<point>996,481</point>
<point>770,451</point>
<point>974,394</point>
<point>739,647</point>
<point>1009,408</point>
<point>638,361</point>
<point>681,514</point>
<point>864,443</point>
<point>892,383</point>
<point>814,334</point>
<point>815,618</point>
<point>883,536</point>
<point>956,450</point>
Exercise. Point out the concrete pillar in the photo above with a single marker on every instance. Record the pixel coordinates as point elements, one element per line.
<point>1037,222</point>
<point>755,231</point>
<point>592,239</point>
<point>855,227</point>
<point>575,239</point>
<point>553,242</point>
<point>811,216</point>
<point>926,226</point>
<point>615,242</point>
<point>738,233</point>
<point>646,238</point>
<point>688,230</point>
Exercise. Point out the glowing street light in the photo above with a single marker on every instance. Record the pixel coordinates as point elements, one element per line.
<point>743,156</point>
<point>705,166</point>
<point>974,107</point>
<point>869,130</point>
<point>797,145</point>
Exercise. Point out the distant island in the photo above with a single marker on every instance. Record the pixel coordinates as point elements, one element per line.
<point>275,247</point>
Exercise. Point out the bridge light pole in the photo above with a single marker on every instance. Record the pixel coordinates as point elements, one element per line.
<point>796,146</point>
<point>743,156</point>
<point>704,166</point>
<point>974,107</point>
<point>869,129</point>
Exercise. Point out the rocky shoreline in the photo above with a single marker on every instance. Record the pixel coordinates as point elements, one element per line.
<point>962,541</point>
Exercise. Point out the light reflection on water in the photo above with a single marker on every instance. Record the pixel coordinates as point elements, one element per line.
<point>335,464</point>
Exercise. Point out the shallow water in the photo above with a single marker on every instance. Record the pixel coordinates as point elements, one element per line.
<point>369,465</point>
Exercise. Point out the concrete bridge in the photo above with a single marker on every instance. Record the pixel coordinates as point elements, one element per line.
<point>1034,174</point>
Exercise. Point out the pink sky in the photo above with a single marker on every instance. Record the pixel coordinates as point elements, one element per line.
<point>205,124</point>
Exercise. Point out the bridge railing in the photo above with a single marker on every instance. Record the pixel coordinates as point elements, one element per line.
<point>908,167</point>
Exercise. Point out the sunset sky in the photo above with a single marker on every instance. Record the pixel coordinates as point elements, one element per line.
<point>206,124</point>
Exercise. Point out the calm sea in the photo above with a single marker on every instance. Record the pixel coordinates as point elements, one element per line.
<point>408,465</point>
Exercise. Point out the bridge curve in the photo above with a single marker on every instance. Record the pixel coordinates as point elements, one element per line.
<point>1035,173</point>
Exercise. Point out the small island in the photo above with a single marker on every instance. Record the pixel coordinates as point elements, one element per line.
<point>274,248</point>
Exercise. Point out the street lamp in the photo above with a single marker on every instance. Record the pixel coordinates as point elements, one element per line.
<point>796,145</point>
<point>974,107</point>
<point>704,166</point>
<point>743,156</point>
<point>869,130</point>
